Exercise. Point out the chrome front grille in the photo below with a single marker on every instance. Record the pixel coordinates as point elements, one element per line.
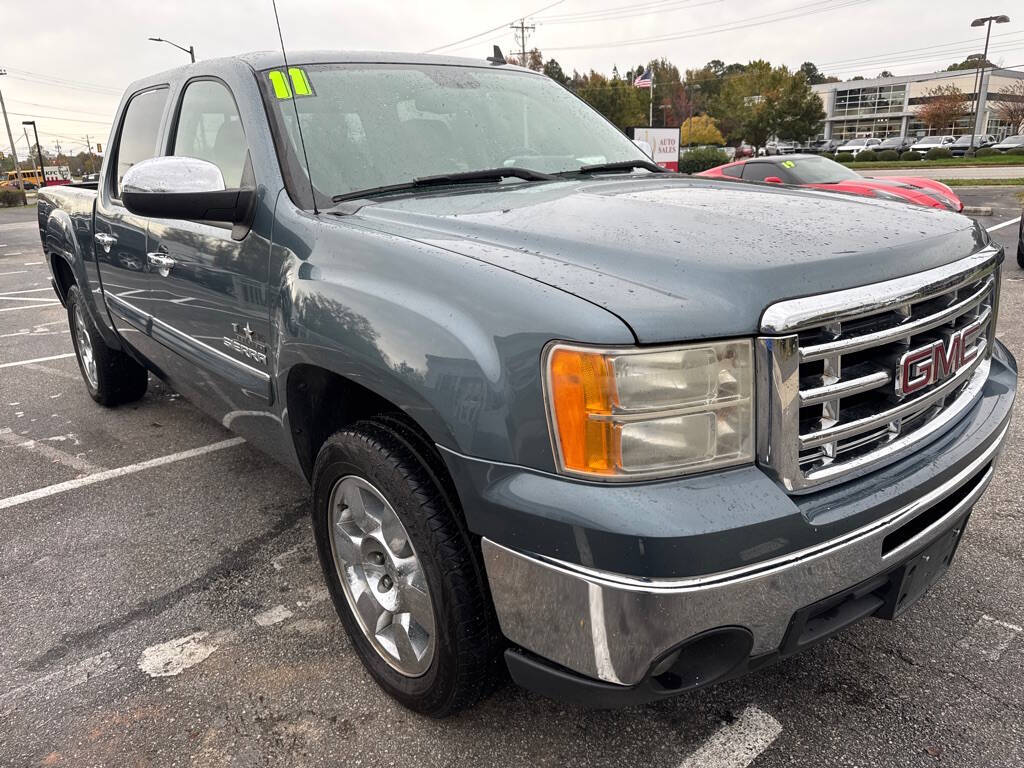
<point>831,397</point>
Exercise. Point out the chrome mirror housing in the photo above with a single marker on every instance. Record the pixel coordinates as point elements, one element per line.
<point>173,175</point>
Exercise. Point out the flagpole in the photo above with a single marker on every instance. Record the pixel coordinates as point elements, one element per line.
<point>650,110</point>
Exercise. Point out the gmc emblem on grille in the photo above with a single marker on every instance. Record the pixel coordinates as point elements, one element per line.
<point>923,366</point>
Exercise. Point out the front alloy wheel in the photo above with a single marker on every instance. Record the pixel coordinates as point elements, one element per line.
<point>381,576</point>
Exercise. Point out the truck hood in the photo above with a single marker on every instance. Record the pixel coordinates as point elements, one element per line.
<point>679,257</point>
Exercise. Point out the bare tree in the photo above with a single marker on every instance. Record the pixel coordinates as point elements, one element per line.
<point>943,106</point>
<point>1008,105</point>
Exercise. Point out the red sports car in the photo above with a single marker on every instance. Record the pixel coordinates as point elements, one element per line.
<point>821,173</point>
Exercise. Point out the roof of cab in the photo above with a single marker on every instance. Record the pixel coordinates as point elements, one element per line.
<point>268,59</point>
<point>260,60</point>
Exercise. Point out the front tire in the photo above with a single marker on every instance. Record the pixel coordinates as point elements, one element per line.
<point>402,570</point>
<point>111,376</point>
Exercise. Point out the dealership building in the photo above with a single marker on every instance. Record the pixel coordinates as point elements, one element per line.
<point>886,107</point>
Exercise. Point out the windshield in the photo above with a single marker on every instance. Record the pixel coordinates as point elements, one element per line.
<point>373,125</point>
<point>891,143</point>
<point>1013,139</point>
<point>966,140</point>
<point>856,142</point>
<point>931,140</point>
<point>816,170</point>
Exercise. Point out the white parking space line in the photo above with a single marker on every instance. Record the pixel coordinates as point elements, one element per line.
<point>27,290</point>
<point>1004,224</point>
<point>37,329</point>
<point>48,305</point>
<point>36,360</point>
<point>19,272</point>
<point>737,744</point>
<point>63,679</point>
<point>38,299</point>
<point>27,263</point>
<point>55,455</point>
<point>990,637</point>
<point>110,474</point>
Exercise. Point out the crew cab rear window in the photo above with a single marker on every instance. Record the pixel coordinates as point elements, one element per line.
<point>139,131</point>
<point>732,170</point>
<point>209,128</point>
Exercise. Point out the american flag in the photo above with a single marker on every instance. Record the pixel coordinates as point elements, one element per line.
<point>646,80</point>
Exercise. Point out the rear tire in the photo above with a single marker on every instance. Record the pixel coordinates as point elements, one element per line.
<point>379,502</point>
<point>111,376</point>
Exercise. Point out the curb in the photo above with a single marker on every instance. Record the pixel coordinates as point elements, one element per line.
<point>976,210</point>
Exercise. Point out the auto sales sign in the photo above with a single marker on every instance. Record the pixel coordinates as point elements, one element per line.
<point>664,142</point>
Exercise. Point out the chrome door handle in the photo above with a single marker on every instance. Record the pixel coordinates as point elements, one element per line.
<point>105,240</point>
<point>162,262</point>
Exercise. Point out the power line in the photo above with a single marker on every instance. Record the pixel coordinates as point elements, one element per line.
<point>621,12</point>
<point>808,9</point>
<point>65,119</point>
<point>492,29</point>
<point>60,108</point>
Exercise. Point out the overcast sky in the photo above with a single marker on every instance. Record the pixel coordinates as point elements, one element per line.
<point>69,60</point>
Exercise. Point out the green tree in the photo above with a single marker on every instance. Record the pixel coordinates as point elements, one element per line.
<point>554,70</point>
<point>797,111</point>
<point>766,101</point>
<point>968,63</point>
<point>615,98</point>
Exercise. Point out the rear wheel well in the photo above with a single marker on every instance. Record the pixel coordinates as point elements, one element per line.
<point>62,276</point>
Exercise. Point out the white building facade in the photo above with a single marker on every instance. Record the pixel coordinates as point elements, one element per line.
<point>887,106</point>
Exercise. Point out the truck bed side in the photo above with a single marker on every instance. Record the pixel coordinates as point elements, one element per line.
<point>65,215</point>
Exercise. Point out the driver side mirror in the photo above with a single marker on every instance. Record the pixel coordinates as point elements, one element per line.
<point>184,188</point>
<point>772,180</point>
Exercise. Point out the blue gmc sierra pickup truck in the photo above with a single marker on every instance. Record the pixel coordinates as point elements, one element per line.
<point>618,431</point>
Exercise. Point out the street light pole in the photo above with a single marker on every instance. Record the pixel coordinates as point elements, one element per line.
<point>986,22</point>
<point>10,138</point>
<point>190,50</point>
<point>39,149</point>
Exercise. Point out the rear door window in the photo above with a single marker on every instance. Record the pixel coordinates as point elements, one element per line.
<point>139,131</point>
<point>732,170</point>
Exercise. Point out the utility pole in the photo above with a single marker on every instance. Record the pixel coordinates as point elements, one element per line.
<point>10,138</point>
<point>88,149</point>
<point>28,151</point>
<point>39,149</point>
<point>521,30</point>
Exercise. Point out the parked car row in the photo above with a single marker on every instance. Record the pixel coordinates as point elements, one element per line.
<point>957,145</point>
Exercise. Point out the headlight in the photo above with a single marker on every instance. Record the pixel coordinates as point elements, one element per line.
<point>625,414</point>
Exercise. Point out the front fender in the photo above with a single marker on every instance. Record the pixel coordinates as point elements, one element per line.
<point>454,342</point>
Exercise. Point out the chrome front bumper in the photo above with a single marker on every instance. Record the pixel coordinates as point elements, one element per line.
<point>614,627</point>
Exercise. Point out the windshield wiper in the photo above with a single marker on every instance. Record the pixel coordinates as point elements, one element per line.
<point>443,179</point>
<point>621,165</point>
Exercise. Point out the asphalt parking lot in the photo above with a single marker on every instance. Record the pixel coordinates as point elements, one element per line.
<point>160,604</point>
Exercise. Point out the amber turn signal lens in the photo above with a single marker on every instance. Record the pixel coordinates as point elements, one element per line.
<point>581,386</point>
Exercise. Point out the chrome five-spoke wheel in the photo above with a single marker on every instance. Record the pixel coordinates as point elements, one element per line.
<point>381,576</point>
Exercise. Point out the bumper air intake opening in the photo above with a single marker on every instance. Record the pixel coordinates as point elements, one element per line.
<point>703,659</point>
<point>933,514</point>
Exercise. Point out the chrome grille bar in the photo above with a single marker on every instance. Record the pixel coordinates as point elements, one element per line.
<point>897,332</point>
<point>829,398</point>
<point>853,428</point>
